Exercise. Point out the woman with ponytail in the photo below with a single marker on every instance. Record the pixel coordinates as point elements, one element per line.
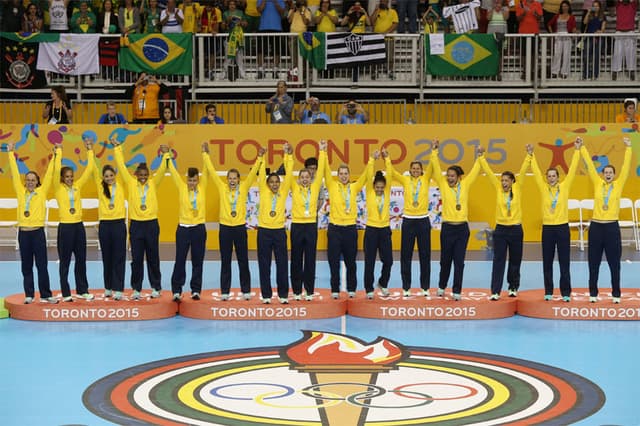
<point>112,231</point>
<point>144,230</point>
<point>377,234</point>
<point>508,234</point>
<point>72,237</point>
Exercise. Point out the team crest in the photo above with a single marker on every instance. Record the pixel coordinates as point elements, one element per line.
<point>67,62</point>
<point>19,62</point>
<point>353,42</point>
<point>334,379</point>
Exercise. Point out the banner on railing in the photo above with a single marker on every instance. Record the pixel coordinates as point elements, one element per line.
<point>327,50</point>
<point>19,57</point>
<point>167,54</point>
<point>71,54</point>
<point>464,55</point>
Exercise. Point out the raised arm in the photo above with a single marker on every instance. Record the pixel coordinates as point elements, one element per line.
<point>90,168</point>
<point>364,177</point>
<point>177,179</point>
<point>435,165</point>
<point>48,175</point>
<point>328,178</point>
<point>626,163</point>
<point>13,167</point>
<point>575,161</point>
<point>207,165</point>
<point>288,167</point>
<point>591,169</point>
<point>159,175</point>
<point>253,173</point>
<point>322,158</point>
<point>122,167</point>
<point>487,169</point>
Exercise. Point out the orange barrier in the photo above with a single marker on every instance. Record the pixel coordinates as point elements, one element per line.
<point>236,308</point>
<point>531,303</point>
<point>474,305</point>
<point>99,309</point>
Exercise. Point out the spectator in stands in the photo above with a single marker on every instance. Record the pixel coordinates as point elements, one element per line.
<point>629,115</point>
<point>12,15</point>
<point>550,9</point>
<point>151,16</point>
<point>107,19</point>
<point>407,9</point>
<point>624,46</point>
<point>234,22</point>
<point>144,98</point>
<point>300,19</point>
<point>594,22</point>
<point>325,18</point>
<point>385,21</point>
<point>211,117</point>
<point>252,15</point>
<point>464,16</point>
<point>483,15</point>
<point>430,21</point>
<point>32,21</point>
<point>83,21</point>
<point>309,112</point>
<point>270,22</point>
<point>356,19</point>
<point>167,116</point>
<point>112,116</point>
<point>58,109</point>
<point>352,113</point>
<point>129,18</point>
<point>528,13</point>
<point>563,23</point>
<point>210,20</point>
<point>58,18</point>
<point>497,17</point>
<point>191,12</point>
<point>280,105</point>
<point>171,18</point>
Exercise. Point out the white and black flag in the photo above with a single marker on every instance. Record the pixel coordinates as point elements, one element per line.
<point>346,49</point>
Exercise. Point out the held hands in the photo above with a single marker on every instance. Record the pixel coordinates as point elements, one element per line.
<point>480,151</point>
<point>529,148</point>
<point>114,142</point>
<point>10,147</point>
<point>578,143</point>
<point>435,144</point>
<point>261,152</point>
<point>385,153</point>
<point>376,154</point>
<point>287,148</point>
<point>205,147</point>
<point>164,149</point>
<point>323,145</point>
<point>627,142</point>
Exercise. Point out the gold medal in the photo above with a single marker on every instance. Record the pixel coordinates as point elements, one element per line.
<point>72,210</point>
<point>26,213</point>
<point>458,207</point>
<point>233,213</point>
<point>111,206</point>
<point>195,212</point>
<point>605,207</point>
<point>306,213</point>
<point>347,211</point>
<point>143,207</point>
<point>415,204</point>
<point>509,212</point>
<point>272,213</point>
<point>552,210</point>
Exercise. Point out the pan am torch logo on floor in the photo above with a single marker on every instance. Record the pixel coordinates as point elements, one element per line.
<point>334,379</point>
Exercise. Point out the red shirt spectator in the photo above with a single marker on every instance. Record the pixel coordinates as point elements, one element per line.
<point>626,15</point>
<point>529,13</point>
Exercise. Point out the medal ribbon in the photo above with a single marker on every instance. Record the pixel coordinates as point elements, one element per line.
<point>194,200</point>
<point>307,199</point>
<point>143,195</point>
<point>274,200</point>
<point>113,195</point>
<point>72,198</point>
<point>606,198</point>
<point>28,200</point>
<point>457,192</point>
<point>233,199</point>
<point>554,198</point>
<point>347,197</point>
<point>508,200</point>
<point>416,190</point>
<point>380,199</point>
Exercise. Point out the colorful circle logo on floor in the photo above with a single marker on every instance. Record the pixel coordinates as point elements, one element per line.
<point>333,379</point>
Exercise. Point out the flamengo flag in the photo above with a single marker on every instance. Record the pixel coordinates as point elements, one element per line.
<point>327,50</point>
<point>464,55</point>
<point>157,53</point>
<point>73,54</point>
<point>19,52</point>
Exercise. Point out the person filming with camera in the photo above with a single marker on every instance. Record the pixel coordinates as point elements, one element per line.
<point>352,113</point>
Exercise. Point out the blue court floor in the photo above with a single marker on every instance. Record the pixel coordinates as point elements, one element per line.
<point>46,367</point>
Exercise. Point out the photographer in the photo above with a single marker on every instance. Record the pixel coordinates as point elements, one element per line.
<point>144,99</point>
<point>280,105</point>
<point>312,113</point>
<point>356,19</point>
<point>352,113</point>
<point>385,21</point>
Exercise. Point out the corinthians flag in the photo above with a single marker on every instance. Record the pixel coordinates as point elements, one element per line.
<point>19,56</point>
<point>329,50</point>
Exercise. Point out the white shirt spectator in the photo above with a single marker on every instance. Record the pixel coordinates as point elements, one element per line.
<point>172,25</point>
<point>463,16</point>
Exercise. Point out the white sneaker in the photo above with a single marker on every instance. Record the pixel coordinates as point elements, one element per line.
<point>67,299</point>
<point>195,296</point>
<point>426,294</point>
<point>456,296</point>
<point>370,295</point>
<point>87,296</point>
<point>308,297</point>
<point>297,297</point>
<point>406,293</point>
<point>335,296</point>
<point>266,301</point>
<point>593,299</point>
<point>441,292</point>
<point>224,297</point>
<point>513,293</point>
<point>28,300</point>
<point>117,295</point>
<point>494,296</point>
<point>383,290</point>
<point>352,294</point>
<point>108,293</point>
<point>51,300</point>
<point>284,300</point>
<point>177,297</point>
<point>155,294</point>
<point>615,300</point>
<point>135,295</point>
<point>246,296</point>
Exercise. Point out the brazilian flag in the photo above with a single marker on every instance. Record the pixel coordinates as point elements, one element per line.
<point>312,47</point>
<point>473,55</point>
<point>157,53</point>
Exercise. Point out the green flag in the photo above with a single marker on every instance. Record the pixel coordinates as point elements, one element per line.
<point>313,48</point>
<point>157,53</point>
<point>464,55</point>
